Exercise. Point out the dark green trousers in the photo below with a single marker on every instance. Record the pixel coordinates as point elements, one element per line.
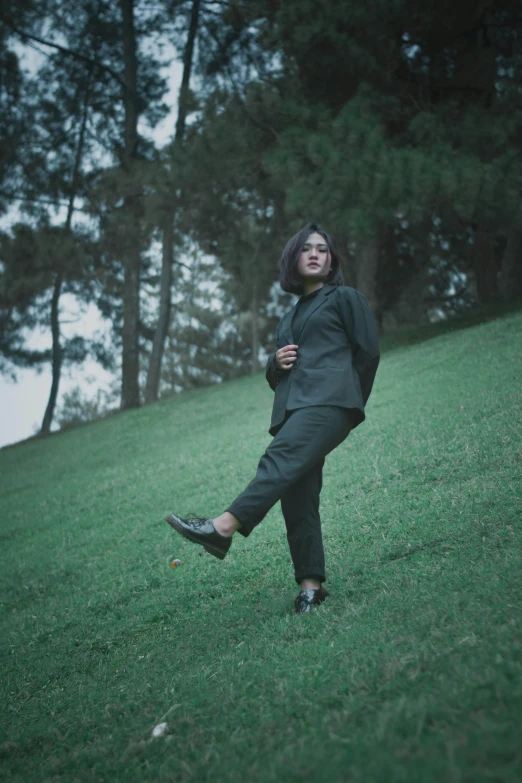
<point>290,470</point>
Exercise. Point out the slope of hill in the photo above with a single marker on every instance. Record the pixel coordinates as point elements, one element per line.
<point>411,671</point>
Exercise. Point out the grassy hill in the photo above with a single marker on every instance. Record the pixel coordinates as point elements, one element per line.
<point>411,670</point>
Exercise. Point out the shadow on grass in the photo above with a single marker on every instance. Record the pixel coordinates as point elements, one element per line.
<point>417,334</point>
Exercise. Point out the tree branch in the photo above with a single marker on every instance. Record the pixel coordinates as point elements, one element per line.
<point>34,200</point>
<point>82,57</point>
<point>247,113</point>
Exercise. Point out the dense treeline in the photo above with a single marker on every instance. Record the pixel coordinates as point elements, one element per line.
<point>398,125</point>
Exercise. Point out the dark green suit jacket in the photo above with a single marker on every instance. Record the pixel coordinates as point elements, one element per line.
<point>337,356</point>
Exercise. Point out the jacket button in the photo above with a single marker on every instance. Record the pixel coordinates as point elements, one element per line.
<point>296,363</point>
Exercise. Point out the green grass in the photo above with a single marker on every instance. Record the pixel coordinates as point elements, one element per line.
<point>410,671</point>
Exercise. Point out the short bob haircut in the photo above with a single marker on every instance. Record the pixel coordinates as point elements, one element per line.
<point>289,277</point>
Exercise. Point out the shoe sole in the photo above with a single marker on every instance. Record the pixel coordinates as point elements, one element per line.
<point>212,550</point>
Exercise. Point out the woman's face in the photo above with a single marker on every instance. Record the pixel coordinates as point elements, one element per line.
<point>314,262</point>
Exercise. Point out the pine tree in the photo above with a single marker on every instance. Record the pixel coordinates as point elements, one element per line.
<point>169,213</point>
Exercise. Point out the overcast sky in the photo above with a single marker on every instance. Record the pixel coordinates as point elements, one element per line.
<point>22,404</point>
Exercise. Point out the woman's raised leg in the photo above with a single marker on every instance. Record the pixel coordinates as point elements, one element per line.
<point>306,437</point>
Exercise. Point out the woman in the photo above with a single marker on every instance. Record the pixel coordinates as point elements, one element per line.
<point>322,373</point>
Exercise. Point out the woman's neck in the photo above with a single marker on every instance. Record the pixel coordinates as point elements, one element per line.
<point>314,285</point>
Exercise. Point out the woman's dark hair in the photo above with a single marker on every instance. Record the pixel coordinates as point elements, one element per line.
<point>289,277</point>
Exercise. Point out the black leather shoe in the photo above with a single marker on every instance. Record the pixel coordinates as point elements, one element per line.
<point>308,598</point>
<point>201,531</point>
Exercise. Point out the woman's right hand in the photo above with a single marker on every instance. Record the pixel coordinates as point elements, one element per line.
<point>285,357</point>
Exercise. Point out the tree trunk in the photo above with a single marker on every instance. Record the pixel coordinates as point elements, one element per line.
<point>56,355</point>
<point>476,67</point>
<point>188,56</point>
<point>254,317</point>
<point>130,82</point>
<point>485,268</point>
<point>130,392</point>
<point>158,343</point>
<point>56,361</point>
<point>367,267</point>
<point>510,278</point>
<point>156,357</point>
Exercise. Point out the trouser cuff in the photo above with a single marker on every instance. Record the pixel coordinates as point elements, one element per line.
<point>309,573</point>
<point>245,528</point>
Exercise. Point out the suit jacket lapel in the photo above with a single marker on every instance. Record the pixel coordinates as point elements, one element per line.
<point>286,328</point>
<point>318,301</point>
<point>286,324</point>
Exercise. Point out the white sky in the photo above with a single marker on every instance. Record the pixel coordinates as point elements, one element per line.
<point>22,404</point>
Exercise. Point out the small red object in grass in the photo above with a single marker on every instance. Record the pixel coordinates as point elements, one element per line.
<point>176,563</point>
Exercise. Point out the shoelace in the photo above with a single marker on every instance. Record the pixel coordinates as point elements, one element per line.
<point>200,521</point>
